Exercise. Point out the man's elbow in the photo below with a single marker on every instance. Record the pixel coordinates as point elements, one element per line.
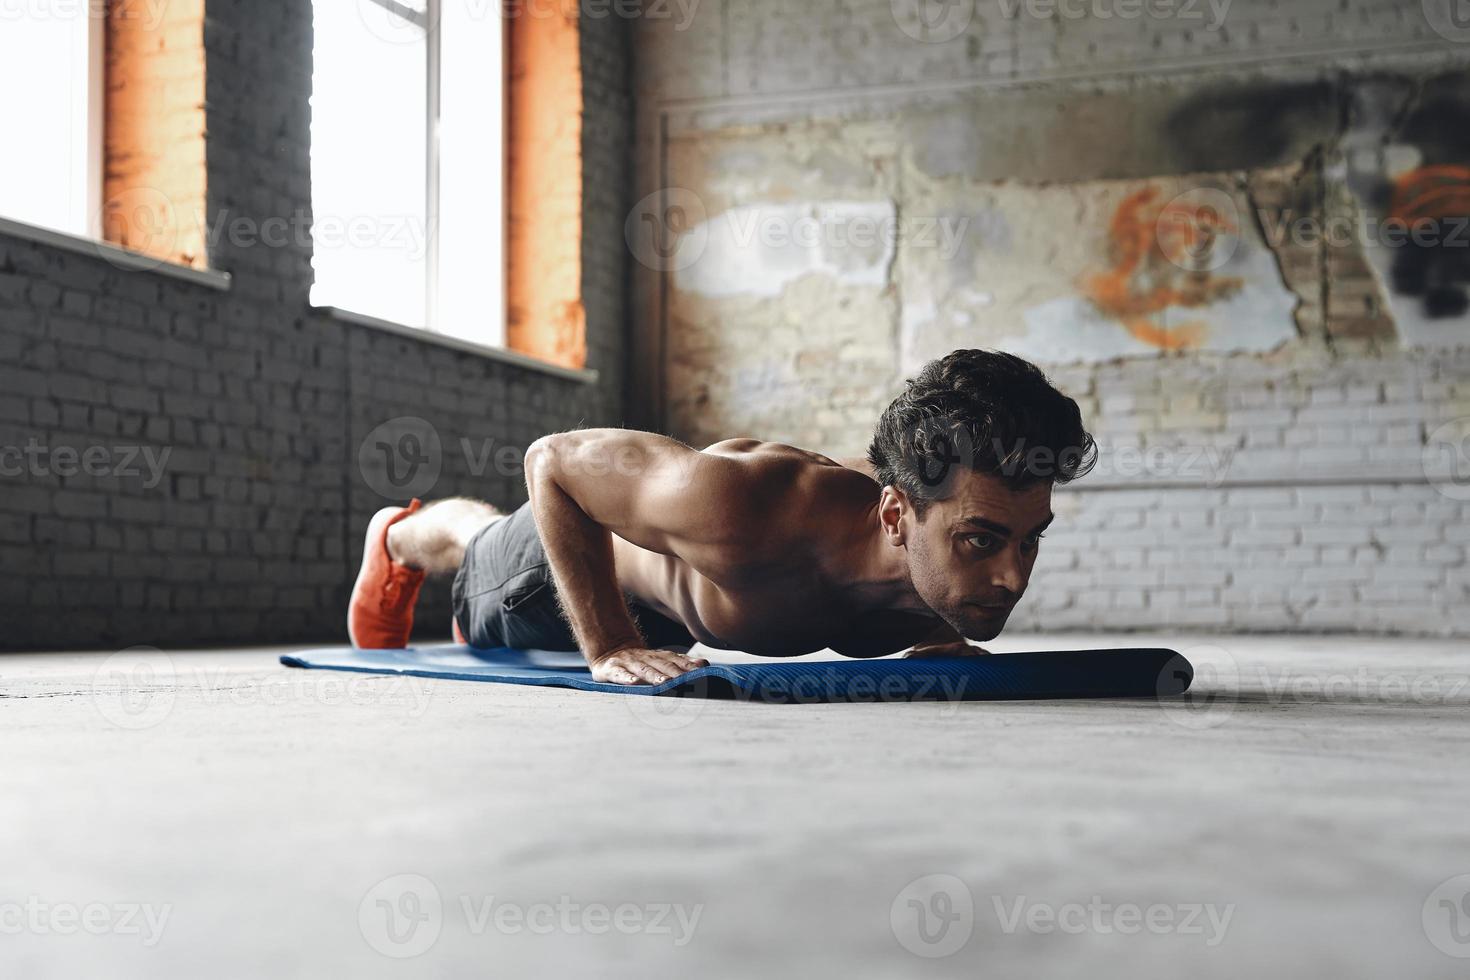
<point>541,459</point>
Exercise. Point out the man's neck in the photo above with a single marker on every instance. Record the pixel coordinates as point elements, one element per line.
<point>874,573</point>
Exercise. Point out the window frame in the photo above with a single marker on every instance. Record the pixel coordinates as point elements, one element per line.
<point>429,21</point>
<point>96,161</point>
<point>82,216</point>
<point>88,235</point>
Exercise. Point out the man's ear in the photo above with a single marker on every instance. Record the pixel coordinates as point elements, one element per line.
<point>893,504</point>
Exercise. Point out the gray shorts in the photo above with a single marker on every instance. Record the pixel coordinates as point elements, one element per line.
<point>504,595</point>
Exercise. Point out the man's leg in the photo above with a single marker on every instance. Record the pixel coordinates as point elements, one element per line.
<point>434,538</point>
<point>404,544</point>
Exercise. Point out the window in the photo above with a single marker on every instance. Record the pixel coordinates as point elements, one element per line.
<point>51,174</point>
<point>104,118</point>
<point>406,155</point>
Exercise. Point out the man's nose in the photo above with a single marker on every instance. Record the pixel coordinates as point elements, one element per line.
<point>1008,572</point>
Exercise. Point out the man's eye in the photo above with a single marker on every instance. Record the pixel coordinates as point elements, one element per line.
<point>982,541</point>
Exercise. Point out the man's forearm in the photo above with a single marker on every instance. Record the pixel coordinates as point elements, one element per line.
<point>580,553</point>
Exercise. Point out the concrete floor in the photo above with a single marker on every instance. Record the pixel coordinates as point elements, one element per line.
<point>303,824</point>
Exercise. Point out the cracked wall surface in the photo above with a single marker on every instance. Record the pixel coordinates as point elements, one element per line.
<point>1183,225</point>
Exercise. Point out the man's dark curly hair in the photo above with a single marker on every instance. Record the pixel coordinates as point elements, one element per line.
<point>988,411</point>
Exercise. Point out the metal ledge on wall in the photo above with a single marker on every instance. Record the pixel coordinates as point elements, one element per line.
<point>121,258</point>
<point>582,375</point>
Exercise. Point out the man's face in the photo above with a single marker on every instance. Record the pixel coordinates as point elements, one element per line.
<point>971,555</point>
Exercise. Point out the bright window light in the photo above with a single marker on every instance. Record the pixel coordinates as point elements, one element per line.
<point>50,72</point>
<point>469,301</point>
<point>406,164</point>
<point>369,162</point>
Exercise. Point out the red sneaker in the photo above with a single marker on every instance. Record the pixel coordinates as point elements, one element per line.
<point>380,613</point>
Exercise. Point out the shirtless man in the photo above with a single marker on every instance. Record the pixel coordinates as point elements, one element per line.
<point>633,546</point>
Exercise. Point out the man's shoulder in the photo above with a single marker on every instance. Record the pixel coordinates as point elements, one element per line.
<point>790,498</point>
<point>780,457</point>
<point>776,470</point>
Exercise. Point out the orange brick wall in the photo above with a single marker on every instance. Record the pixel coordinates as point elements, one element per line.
<point>545,316</point>
<point>154,173</point>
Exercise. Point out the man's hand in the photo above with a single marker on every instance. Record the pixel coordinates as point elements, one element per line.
<point>954,648</point>
<point>636,665</point>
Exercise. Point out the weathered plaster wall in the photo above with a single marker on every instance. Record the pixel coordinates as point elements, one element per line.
<point>1180,218</point>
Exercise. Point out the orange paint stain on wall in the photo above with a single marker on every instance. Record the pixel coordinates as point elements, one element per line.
<point>1151,247</point>
<point>1431,192</point>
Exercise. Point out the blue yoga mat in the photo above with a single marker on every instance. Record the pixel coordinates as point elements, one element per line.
<point>1131,673</point>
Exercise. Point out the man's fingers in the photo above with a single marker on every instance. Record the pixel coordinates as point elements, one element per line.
<point>948,650</point>
<point>680,664</point>
<point>615,674</point>
<point>653,673</point>
<point>645,667</point>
